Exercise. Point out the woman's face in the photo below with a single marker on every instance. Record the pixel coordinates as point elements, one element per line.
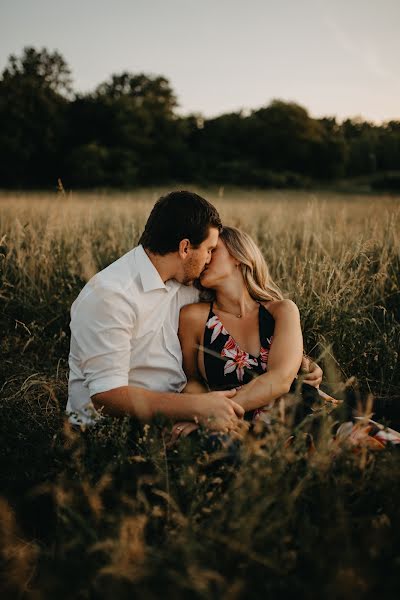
<point>221,267</point>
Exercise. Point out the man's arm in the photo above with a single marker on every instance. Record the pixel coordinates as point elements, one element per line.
<point>215,410</point>
<point>191,323</point>
<point>103,326</point>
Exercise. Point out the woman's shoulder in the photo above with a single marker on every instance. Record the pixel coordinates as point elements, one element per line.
<point>195,313</point>
<point>280,307</point>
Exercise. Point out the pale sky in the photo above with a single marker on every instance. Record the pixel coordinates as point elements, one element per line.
<point>334,57</point>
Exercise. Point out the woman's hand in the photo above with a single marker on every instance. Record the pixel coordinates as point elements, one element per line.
<point>181,429</point>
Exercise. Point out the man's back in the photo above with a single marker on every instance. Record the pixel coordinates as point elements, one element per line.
<point>124,328</point>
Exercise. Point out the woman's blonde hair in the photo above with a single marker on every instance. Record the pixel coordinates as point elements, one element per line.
<point>255,270</point>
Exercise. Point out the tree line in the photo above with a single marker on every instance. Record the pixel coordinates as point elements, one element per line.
<point>127,132</point>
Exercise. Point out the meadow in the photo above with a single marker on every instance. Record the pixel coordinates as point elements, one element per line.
<point>113,512</point>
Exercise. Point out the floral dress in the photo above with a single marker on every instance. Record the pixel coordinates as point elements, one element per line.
<point>227,365</point>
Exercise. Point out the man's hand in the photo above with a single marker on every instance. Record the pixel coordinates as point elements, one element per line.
<point>218,411</point>
<point>314,372</point>
<point>224,420</point>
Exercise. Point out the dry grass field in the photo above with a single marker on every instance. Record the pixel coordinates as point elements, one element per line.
<point>113,513</point>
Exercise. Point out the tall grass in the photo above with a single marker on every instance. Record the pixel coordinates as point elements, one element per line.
<point>113,512</point>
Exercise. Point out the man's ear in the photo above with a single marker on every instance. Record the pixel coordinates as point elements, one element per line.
<point>184,248</point>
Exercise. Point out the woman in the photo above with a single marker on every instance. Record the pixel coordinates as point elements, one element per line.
<point>227,342</point>
<point>245,335</point>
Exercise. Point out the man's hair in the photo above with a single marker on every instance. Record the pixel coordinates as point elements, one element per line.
<point>176,216</point>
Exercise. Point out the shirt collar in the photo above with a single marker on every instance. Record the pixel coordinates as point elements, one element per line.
<point>149,275</point>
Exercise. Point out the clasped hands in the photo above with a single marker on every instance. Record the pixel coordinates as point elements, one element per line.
<point>234,421</point>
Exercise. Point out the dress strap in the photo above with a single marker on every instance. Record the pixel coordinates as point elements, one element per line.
<point>267,325</point>
<point>210,312</point>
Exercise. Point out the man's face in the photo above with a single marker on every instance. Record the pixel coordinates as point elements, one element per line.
<point>222,267</point>
<point>200,257</point>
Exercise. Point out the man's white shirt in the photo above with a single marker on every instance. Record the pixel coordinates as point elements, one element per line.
<point>124,331</point>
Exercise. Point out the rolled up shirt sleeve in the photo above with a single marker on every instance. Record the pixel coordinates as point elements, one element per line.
<point>103,325</point>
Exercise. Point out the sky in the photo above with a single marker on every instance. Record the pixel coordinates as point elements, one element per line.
<point>334,57</point>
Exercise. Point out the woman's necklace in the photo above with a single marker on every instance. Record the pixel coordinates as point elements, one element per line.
<point>238,315</point>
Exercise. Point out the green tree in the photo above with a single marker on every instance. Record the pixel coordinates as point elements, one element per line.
<point>45,69</point>
<point>135,120</point>
<point>153,94</point>
<point>285,137</point>
<point>33,90</point>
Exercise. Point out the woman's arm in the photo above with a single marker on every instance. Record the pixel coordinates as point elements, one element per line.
<point>284,359</point>
<point>189,340</point>
<point>194,386</point>
<point>189,336</point>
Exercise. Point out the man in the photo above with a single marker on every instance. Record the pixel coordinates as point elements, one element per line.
<point>125,356</point>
